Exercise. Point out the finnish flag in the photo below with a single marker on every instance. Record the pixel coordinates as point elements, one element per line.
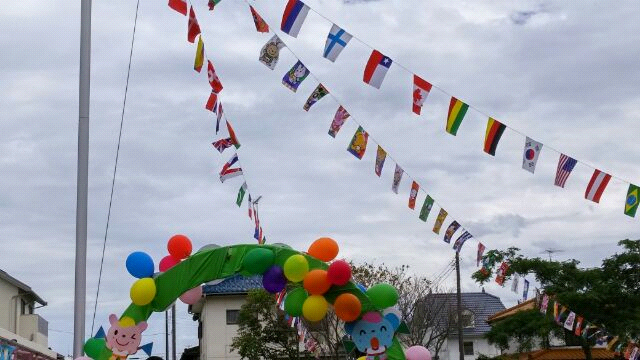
<point>336,41</point>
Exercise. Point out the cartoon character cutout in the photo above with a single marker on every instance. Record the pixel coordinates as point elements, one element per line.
<point>339,119</point>
<point>373,334</point>
<point>123,337</point>
<point>358,144</point>
<point>294,77</point>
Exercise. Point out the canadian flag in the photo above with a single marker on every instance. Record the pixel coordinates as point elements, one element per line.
<point>421,90</point>
<point>194,28</point>
<point>216,85</point>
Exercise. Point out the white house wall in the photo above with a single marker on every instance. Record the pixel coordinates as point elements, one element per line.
<point>8,296</point>
<point>216,334</point>
<point>450,348</point>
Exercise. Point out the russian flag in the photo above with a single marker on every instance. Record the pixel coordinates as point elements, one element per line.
<point>376,69</point>
<point>293,17</point>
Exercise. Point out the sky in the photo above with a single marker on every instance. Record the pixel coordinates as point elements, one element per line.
<point>561,73</point>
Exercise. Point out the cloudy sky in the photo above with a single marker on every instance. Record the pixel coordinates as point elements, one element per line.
<point>564,74</point>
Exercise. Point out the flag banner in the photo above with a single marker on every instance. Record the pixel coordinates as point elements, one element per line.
<point>199,60</point>
<point>439,221</point>
<point>450,231</point>
<point>457,111</point>
<point>179,6</point>
<point>294,77</point>
<point>532,149</point>
<point>376,69</point>
<point>219,117</point>
<point>381,156</point>
<point>336,41</point>
<point>294,14</point>
<point>492,135</point>
<point>317,94</point>
<point>481,249</point>
<point>628,349</point>
<point>338,119</point>
<point>213,3</point>
<point>270,52</point>
<point>358,144</point>
<point>232,135</point>
<point>597,184</point>
<point>250,207</point>
<point>556,311</point>
<point>261,25</point>
<point>193,27</point>
<point>631,204</point>
<point>569,322</point>
<point>214,81</point>
<point>578,330</point>
<point>421,89</point>
<point>515,283</point>
<point>230,163</point>
<point>223,144</point>
<point>413,195</point>
<point>544,304</point>
<point>565,166</point>
<point>241,192</point>
<point>212,102</point>
<point>457,245</point>
<point>525,289</point>
<point>230,173</point>
<point>426,208</point>
<point>397,176</point>
<point>501,274</point>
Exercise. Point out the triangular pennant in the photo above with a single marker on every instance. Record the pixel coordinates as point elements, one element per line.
<point>100,334</point>
<point>147,348</point>
<point>261,25</point>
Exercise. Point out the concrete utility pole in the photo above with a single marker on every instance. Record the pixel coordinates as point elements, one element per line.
<point>459,308</point>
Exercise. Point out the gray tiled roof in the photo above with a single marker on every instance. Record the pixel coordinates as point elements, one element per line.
<point>236,284</point>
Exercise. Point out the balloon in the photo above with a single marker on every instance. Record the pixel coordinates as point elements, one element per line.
<point>208,247</point>
<point>143,291</point>
<point>94,347</point>
<point>192,296</point>
<point>339,272</point>
<point>258,260</point>
<point>315,308</point>
<point>140,264</point>
<point>362,358</point>
<point>325,249</point>
<point>273,279</point>
<point>417,353</point>
<point>294,300</point>
<point>347,307</point>
<point>296,267</point>
<point>167,263</point>
<point>179,246</point>
<point>316,282</point>
<point>383,295</point>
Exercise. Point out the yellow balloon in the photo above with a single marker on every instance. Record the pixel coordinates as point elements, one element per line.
<point>143,291</point>
<point>362,358</point>
<point>296,267</point>
<point>315,308</point>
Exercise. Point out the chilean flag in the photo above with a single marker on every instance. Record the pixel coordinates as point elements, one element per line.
<point>376,69</point>
<point>293,17</point>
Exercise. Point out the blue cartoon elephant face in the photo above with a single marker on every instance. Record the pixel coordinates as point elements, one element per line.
<point>373,334</point>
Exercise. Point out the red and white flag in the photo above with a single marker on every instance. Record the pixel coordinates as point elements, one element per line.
<point>421,89</point>
<point>376,69</point>
<point>194,28</point>
<point>597,184</point>
<point>179,6</point>
<point>228,172</point>
<point>216,85</point>
<point>211,103</point>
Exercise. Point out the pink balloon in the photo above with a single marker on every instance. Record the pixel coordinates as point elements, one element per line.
<point>417,353</point>
<point>167,263</point>
<point>192,296</point>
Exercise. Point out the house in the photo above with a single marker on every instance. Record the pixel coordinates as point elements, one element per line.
<point>23,334</point>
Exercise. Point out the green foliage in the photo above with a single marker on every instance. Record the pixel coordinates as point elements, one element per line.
<point>529,328</point>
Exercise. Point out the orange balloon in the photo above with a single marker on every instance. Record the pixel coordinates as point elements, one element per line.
<point>316,282</point>
<point>179,246</point>
<point>347,307</point>
<point>325,249</point>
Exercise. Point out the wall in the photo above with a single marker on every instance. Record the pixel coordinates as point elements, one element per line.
<point>28,344</point>
<point>7,302</point>
<point>480,346</point>
<point>217,335</point>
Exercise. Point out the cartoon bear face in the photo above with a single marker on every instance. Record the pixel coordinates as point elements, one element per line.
<point>124,336</point>
<point>373,334</point>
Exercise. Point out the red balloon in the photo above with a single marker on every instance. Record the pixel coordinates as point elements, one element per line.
<point>167,263</point>
<point>347,307</point>
<point>339,272</point>
<point>179,246</point>
<point>316,282</point>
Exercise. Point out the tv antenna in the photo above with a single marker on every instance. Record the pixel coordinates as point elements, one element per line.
<point>550,251</point>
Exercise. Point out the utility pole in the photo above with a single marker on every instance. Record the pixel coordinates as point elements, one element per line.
<point>173,331</point>
<point>166,334</point>
<point>459,308</point>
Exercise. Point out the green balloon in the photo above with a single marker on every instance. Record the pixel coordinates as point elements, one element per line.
<point>294,301</point>
<point>94,347</point>
<point>258,260</point>
<point>383,296</point>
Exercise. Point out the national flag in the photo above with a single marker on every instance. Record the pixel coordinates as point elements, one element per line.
<point>569,322</point>
<point>515,282</point>
<point>501,274</point>
<point>338,119</point>
<point>179,6</point>
<point>492,136</point>
<point>381,156</point>
<point>223,144</point>
<point>270,52</point>
<point>294,14</point>
<point>214,81</point>
<point>421,89</point>
<point>358,144</point>
<point>565,166</point>
<point>212,102</point>
<point>193,27</point>
<point>532,150</point>
<point>250,207</point>
<point>439,221</point>
<point>560,317</point>
<point>457,245</point>
<point>336,41</point>
<point>241,192</point>
<point>318,93</point>
<point>426,208</point>
<point>457,111</point>
<point>578,330</point>
<point>631,204</point>
<point>450,231</point>
<point>261,25</point>
<point>219,116</point>
<point>525,289</point>
<point>413,195</point>
<point>597,184</point>
<point>199,60</point>
<point>376,69</point>
<point>213,3</point>
<point>232,135</point>
<point>544,304</point>
<point>228,172</point>
<point>481,249</point>
<point>397,177</point>
<point>294,77</point>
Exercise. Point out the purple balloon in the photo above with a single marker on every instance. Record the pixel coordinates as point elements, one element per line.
<point>417,353</point>
<point>273,279</point>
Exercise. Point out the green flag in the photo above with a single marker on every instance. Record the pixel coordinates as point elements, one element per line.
<point>631,204</point>
<point>241,192</point>
<point>426,208</point>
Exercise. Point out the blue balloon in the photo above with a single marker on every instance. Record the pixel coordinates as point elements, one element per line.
<point>361,287</point>
<point>140,265</point>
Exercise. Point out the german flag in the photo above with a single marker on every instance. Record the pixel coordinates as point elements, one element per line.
<point>457,110</point>
<point>491,138</point>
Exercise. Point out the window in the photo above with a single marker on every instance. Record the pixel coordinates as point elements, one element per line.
<point>232,317</point>
<point>468,347</point>
<point>468,319</point>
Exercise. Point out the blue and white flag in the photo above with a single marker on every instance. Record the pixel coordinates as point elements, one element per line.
<point>336,41</point>
<point>457,245</point>
<point>525,290</point>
